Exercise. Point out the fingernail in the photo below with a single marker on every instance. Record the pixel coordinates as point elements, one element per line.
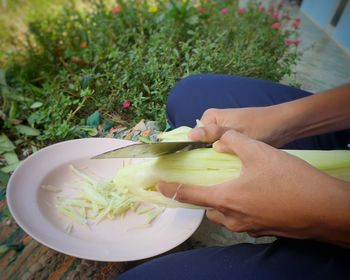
<point>217,146</point>
<point>196,134</point>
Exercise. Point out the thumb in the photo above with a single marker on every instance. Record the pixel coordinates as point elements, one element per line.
<point>209,133</point>
<point>197,195</point>
<point>237,143</point>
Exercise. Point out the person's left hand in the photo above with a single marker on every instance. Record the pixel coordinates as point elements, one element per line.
<point>276,193</point>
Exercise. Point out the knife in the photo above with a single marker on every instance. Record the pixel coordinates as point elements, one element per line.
<point>149,150</point>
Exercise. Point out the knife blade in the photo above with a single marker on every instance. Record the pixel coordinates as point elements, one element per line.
<point>149,150</point>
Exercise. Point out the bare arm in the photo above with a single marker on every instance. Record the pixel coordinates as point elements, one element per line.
<point>282,123</point>
<point>321,113</point>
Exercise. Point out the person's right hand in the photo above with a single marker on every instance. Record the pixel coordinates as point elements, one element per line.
<point>266,124</point>
<point>275,194</point>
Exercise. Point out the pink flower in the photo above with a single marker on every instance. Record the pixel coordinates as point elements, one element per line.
<point>290,42</point>
<point>275,15</point>
<point>276,25</point>
<point>200,9</point>
<point>261,8</point>
<point>126,104</point>
<point>296,23</point>
<point>241,11</point>
<point>271,9</point>
<point>117,9</point>
<point>224,11</point>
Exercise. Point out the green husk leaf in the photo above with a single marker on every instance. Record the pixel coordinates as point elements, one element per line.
<point>179,134</point>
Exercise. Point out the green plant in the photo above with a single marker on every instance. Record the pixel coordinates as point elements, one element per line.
<point>123,60</point>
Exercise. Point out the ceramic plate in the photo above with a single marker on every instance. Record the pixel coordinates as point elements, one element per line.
<point>121,239</point>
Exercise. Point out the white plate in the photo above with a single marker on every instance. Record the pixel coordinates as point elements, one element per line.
<point>119,240</point>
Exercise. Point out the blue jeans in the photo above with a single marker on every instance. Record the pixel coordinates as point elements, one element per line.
<point>282,259</point>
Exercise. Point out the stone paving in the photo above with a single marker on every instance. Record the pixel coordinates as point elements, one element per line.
<point>324,63</point>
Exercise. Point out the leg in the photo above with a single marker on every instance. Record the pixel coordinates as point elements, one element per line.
<point>283,259</point>
<point>193,95</point>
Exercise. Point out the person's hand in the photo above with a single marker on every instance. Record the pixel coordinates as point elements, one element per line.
<point>276,193</point>
<point>267,124</point>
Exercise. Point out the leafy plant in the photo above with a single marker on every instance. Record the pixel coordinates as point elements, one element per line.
<point>123,60</point>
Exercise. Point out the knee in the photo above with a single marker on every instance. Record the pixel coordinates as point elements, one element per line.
<point>182,94</point>
<point>185,88</point>
<point>186,83</point>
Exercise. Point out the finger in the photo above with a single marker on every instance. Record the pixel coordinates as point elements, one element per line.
<point>233,221</point>
<point>209,116</point>
<point>230,222</point>
<point>209,133</point>
<point>201,196</point>
<point>237,143</point>
<point>216,216</point>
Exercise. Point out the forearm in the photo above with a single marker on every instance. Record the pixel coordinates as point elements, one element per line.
<point>321,113</point>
